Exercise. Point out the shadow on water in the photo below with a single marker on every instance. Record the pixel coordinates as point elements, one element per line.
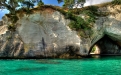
<point>106,57</point>
<point>29,69</point>
<point>47,61</point>
<point>3,73</point>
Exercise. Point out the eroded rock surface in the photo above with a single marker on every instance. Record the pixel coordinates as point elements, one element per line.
<point>110,26</point>
<point>47,34</point>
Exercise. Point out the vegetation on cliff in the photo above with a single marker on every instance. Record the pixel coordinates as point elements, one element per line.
<point>81,18</point>
<point>118,2</point>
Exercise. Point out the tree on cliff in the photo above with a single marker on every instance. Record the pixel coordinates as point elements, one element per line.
<point>40,3</point>
<point>72,3</point>
<point>12,5</point>
<point>28,4</point>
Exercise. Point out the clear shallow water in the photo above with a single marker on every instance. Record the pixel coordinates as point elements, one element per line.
<point>87,66</point>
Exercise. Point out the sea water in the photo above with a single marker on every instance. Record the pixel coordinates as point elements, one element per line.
<point>110,65</point>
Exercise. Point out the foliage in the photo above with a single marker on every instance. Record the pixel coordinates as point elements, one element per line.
<point>12,5</point>
<point>118,2</point>
<point>71,3</point>
<point>59,1</point>
<point>9,37</point>
<point>13,18</point>
<point>81,24</point>
<point>11,27</point>
<point>92,12</point>
<point>94,9</point>
<point>40,3</point>
<point>77,22</point>
<point>28,4</point>
<point>93,49</point>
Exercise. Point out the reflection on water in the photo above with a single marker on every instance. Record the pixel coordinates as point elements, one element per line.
<point>98,65</point>
<point>95,56</point>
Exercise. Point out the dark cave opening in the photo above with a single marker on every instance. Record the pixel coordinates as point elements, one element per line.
<point>106,46</point>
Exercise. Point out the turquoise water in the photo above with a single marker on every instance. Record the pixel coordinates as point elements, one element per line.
<point>86,66</point>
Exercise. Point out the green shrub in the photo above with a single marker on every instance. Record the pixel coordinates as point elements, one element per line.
<point>40,3</point>
<point>92,12</point>
<point>78,23</point>
<point>92,8</point>
<point>116,2</point>
<point>12,27</point>
<point>14,18</point>
<point>93,49</point>
<point>70,15</point>
<point>9,37</point>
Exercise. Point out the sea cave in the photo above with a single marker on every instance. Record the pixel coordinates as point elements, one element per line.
<point>106,46</point>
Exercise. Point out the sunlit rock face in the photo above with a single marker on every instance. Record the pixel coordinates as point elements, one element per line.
<point>46,34</point>
<point>43,34</point>
<point>10,43</point>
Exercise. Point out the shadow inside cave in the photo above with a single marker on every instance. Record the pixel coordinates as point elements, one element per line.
<point>106,46</point>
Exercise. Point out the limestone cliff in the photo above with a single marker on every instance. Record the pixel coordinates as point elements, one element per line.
<point>108,26</point>
<point>47,34</point>
<point>39,35</point>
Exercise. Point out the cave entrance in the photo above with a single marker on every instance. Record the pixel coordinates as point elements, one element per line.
<point>106,46</point>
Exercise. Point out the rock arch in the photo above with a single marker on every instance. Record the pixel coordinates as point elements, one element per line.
<point>107,46</point>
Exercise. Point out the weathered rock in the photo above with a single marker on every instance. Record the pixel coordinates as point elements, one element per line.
<point>107,46</point>
<point>1,23</point>
<point>110,26</point>
<point>47,34</point>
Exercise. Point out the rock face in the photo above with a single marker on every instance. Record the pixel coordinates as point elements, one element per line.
<point>107,46</point>
<point>10,43</point>
<point>108,26</point>
<point>47,34</point>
